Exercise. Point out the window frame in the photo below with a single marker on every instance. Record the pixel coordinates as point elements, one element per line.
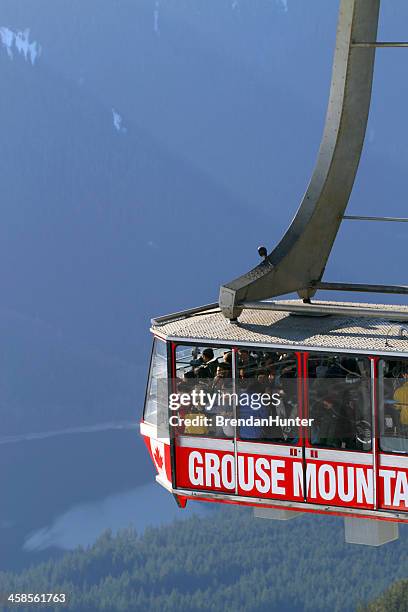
<point>234,348</point>
<point>280,350</point>
<point>380,404</point>
<point>367,357</point>
<point>156,340</point>
<point>173,369</point>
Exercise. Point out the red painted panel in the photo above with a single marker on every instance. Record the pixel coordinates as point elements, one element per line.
<point>205,470</point>
<point>270,477</point>
<point>338,483</point>
<point>393,487</point>
<point>160,455</point>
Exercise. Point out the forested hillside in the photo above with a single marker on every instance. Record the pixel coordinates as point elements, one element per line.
<point>228,561</point>
<point>395,599</point>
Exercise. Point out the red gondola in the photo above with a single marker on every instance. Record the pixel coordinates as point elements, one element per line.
<point>359,470</point>
<point>334,436</point>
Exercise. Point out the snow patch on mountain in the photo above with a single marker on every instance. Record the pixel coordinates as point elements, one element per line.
<point>19,42</point>
<point>156,18</point>
<point>283,4</point>
<point>118,122</point>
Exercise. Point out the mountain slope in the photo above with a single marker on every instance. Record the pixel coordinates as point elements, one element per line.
<point>228,561</point>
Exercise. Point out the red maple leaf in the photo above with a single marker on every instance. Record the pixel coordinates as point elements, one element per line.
<point>158,458</point>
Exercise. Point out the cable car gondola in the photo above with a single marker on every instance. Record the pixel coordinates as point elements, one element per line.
<point>293,406</point>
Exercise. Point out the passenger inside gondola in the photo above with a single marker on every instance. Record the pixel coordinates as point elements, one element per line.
<point>227,358</point>
<point>247,361</point>
<point>401,399</point>
<point>222,375</point>
<point>340,402</point>
<point>394,406</point>
<point>206,365</point>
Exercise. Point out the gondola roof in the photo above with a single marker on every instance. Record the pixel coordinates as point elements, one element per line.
<point>357,334</point>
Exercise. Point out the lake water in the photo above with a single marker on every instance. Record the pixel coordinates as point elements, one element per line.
<point>64,490</point>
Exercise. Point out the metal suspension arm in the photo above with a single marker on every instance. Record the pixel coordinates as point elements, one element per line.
<point>299,260</point>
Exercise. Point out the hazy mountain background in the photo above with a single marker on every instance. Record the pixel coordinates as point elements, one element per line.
<point>147,149</point>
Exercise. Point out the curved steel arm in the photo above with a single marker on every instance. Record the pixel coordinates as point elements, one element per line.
<point>299,260</point>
